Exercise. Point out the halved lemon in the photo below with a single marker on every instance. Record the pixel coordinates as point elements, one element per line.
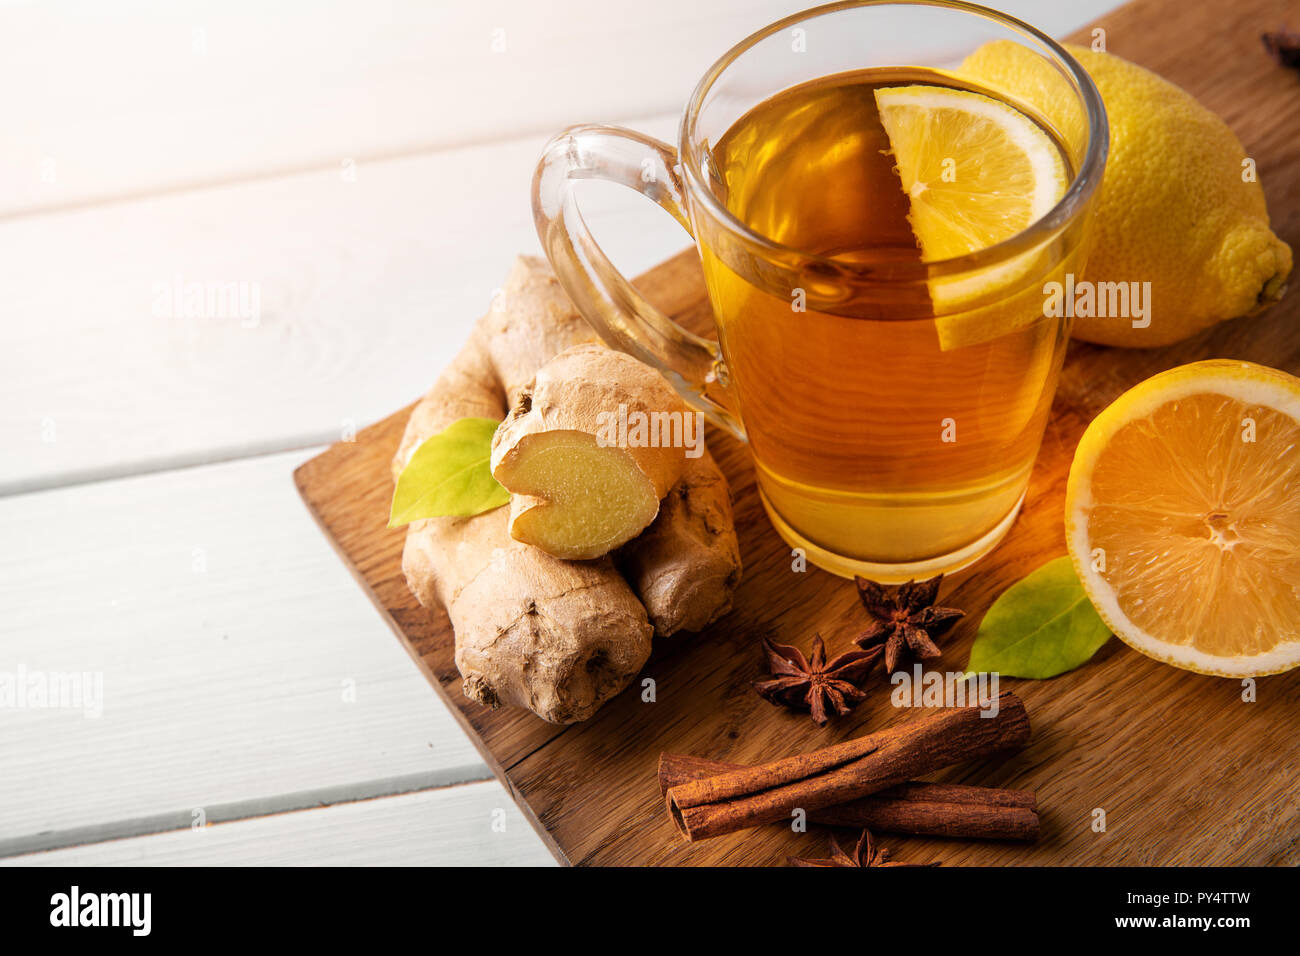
<point>976,171</point>
<point>1182,517</point>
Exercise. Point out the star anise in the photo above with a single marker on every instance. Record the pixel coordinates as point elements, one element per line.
<point>799,682</point>
<point>904,618</point>
<point>865,854</point>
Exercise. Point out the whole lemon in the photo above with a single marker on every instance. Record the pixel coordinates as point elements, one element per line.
<point>1179,204</point>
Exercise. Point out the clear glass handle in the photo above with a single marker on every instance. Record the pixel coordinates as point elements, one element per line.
<point>615,309</point>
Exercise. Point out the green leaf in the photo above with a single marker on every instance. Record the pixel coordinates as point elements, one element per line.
<point>1041,626</point>
<point>449,475</point>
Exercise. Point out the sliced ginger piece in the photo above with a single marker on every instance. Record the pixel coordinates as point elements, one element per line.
<point>577,500</point>
<point>574,494</point>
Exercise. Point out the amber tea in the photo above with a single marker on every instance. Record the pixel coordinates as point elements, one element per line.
<point>880,448</point>
<point>877,240</point>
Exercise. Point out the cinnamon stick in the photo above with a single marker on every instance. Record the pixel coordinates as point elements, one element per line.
<point>927,809</point>
<point>751,796</point>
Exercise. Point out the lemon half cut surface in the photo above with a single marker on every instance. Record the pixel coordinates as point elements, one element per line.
<point>1182,517</point>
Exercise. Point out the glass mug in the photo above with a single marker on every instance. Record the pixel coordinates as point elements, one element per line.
<point>894,407</point>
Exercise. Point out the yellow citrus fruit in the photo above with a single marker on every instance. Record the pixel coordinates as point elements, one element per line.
<point>1179,205</point>
<point>1182,517</point>
<point>976,172</point>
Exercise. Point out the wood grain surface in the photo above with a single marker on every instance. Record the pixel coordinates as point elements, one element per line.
<point>1185,770</point>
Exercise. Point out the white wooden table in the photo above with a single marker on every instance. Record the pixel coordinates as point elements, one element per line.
<point>362,180</point>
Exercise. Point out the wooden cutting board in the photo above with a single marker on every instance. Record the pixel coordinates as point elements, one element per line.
<point>1185,770</point>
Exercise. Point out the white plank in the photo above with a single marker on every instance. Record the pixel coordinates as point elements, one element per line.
<point>364,285</point>
<point>225,628</point>
<point>472,825</point>
<point>131,97</point>
<point>365,290</point>
<point>134,96</point>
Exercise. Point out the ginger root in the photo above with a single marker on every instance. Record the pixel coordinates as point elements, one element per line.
<point>573,495</point>
<point>686,565</point>
<point>532,630</point>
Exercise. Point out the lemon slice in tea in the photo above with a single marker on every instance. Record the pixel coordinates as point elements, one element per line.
<point>1183,517</point>
<point>977,172</point>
